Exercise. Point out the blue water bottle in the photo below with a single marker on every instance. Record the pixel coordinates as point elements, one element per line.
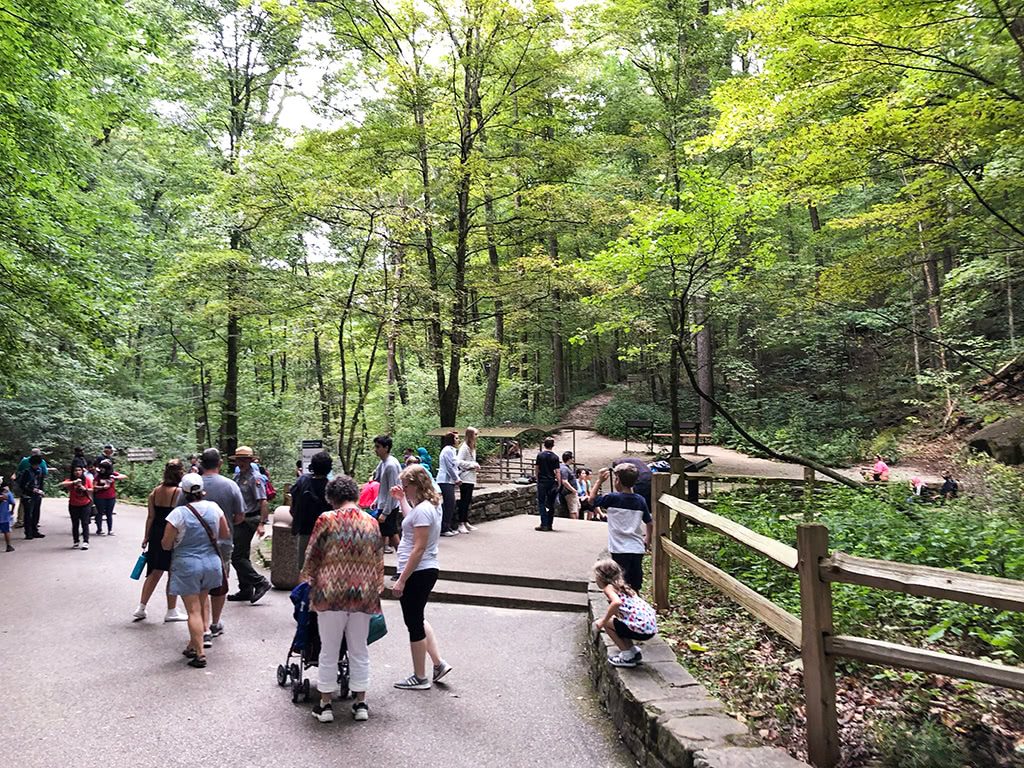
<point>139,565</point>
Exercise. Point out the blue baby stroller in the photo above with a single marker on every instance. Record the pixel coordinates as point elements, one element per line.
<point>306,647</point>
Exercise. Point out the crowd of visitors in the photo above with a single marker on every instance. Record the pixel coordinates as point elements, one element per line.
<point>200,525</point>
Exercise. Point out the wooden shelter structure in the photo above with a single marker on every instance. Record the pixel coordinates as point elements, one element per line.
<point>511,464</point>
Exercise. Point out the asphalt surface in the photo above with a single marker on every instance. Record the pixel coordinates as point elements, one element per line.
<point>510,546</point>
<point>85,686</point>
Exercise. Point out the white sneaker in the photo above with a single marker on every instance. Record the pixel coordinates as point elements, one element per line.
<point>448,534</point>
<point>360,711</point>
<point>85,545</point>
<point>389,550</point>
<point>323,713</point>
<point>175,616</point>
<point>140,613</point>
<point>463,528</point>
<point>470,528</point>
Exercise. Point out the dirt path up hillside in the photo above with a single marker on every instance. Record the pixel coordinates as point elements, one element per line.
<point>584,414</point>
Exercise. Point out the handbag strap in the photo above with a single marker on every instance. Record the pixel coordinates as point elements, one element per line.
<point>206,527</point>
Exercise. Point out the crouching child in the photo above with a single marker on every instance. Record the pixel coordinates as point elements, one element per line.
<point>629,618</point>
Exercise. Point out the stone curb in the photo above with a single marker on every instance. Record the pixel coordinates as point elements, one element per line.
<point>665,717</point>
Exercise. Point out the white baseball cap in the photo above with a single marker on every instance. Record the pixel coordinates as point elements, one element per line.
<point>191,483</point>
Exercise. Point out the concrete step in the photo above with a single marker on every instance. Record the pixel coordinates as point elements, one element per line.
<point>504,596</point>
<point>504,579</point>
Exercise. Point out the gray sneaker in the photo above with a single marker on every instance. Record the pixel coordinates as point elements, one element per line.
<point>442,669</point>
<point>413,683</point>
<point>217,629</point>
<point>207,640</point>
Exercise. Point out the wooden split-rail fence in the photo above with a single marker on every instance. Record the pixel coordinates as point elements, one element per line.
<point>812,632</point>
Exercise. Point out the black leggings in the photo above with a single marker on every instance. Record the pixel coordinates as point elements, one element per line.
<point>465,499</point>
<point>80,519</point>
<point>414,601</point>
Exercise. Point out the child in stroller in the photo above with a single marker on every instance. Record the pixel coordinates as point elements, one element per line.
<point>306,646</point>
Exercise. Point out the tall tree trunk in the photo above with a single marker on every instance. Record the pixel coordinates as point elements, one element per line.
<point>930,270</point>
<point>913,323</point>
<point>435,335</point>
<point>705,362</point>
<point>228,438</point>
<point>494,363</point>
<point>394,374</point>
<point>325,403</point>
<point>524,370</point>
<point>1009,305</point>
<point>557,344</point>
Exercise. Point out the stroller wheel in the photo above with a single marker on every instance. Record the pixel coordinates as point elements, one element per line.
<point>296,692</point>
<point>305,690</point>
<point>295,673</point>
<point>282,675</point>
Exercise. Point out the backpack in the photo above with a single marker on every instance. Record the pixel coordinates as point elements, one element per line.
<point>270,489</point>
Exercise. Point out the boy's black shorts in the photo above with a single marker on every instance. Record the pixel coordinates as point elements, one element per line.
<point>632,565</point>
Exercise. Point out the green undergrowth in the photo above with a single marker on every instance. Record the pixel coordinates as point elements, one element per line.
<point>966,535</point>
<point>888,717</point>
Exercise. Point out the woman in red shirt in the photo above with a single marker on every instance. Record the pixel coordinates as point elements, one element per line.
<point>106,495</point>
<point>79,488</point>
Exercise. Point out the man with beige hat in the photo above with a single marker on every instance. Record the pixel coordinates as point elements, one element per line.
<point>251,585</point>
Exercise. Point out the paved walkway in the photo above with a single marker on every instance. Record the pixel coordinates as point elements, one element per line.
<point>595,451</point>
<point>512,547</point>
<point>85,686</point>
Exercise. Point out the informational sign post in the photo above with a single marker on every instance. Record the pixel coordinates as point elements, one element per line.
<point>141,454</point>
<point>309,448</point>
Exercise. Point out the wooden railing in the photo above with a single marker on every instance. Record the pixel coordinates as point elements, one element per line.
<point>812,631</point>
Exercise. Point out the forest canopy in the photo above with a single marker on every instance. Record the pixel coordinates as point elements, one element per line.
<point>258,221</point>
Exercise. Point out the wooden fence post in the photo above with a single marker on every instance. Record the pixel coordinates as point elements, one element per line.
<point>819,667</point>
<point>660,482</point>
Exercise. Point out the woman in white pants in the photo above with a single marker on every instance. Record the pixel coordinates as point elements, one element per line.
<point>345,572</point>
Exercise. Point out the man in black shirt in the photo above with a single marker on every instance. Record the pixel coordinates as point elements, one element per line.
<point>545,470</point>
<point>308,501</point>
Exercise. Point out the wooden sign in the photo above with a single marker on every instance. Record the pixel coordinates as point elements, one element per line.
<point>141,454</point>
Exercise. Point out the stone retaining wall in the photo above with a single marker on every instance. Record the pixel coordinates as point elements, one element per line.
<point>665,717</point>
<point>496,502</point>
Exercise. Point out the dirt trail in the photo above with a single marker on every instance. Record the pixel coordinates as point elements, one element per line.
<point>584,414</point>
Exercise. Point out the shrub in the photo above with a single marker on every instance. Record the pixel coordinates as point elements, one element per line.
<point>611,421</point>
<point>918,745</point>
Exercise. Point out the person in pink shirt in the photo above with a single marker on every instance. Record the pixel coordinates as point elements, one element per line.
<point>880,472</point>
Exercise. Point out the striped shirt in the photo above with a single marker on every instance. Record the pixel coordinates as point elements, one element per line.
<point>345,562</point>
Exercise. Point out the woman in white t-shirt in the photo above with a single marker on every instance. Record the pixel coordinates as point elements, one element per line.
<point>417,571</point>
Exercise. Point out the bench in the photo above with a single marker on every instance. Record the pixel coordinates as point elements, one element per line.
<point>646,425</point>
<point>684,427</point>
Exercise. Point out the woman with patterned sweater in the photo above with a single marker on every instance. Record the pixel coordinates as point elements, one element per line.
<point>345,572</point>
